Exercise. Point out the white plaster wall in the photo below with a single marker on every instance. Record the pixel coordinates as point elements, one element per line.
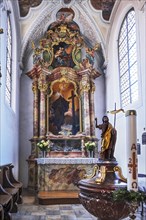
<point>26,126</point>
<point>99,100</point>
<point>0,80</point>
<point>9,117</point>
<point>112,83</point>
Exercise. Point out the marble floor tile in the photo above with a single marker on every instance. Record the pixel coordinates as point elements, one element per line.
<point>30,210</point>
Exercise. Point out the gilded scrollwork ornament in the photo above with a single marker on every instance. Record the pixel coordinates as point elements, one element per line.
<point>102,176</point>
<point>42,84</point>
<point>119,170</point>
<point>64,72</point>
<point>94,171</point>
<point>84,87</point>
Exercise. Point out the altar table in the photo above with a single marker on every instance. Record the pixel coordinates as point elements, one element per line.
<point>62,173</point>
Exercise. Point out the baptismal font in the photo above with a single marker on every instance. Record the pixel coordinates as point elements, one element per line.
<point>96,190</point>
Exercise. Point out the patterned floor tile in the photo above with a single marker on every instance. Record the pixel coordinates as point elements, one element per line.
<point>33,211</point>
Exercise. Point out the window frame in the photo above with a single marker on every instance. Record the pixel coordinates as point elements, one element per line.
<point>130,95</point>
<point>9,76</point>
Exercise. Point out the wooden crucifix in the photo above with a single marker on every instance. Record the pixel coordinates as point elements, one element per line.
<point>73,112</point>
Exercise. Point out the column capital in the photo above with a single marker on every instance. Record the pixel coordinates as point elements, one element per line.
<point>42,84</point>
<point>84,87</point>
<point>85,83</point>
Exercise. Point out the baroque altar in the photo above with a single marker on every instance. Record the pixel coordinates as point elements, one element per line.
<point>62,174</point>
<point>65,66</point>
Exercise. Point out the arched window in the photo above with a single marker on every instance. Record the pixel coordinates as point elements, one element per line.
<point>8,88</point>
<point>127,52</point>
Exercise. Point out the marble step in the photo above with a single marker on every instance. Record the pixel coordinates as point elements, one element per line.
<point>58,197</point>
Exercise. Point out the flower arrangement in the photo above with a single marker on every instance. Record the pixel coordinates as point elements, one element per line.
<point>44,145</point>
<point>90,145</point>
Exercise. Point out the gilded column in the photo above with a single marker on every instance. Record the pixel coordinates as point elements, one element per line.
<point>42,85</point>
<point>35,108</point>
<point>92,110</point>
<point>85,87</point>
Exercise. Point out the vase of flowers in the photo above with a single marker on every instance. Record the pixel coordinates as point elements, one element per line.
<point>90,146</point>
<point>44,146</point>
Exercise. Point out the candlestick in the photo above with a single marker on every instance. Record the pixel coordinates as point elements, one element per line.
<point>131,144</point>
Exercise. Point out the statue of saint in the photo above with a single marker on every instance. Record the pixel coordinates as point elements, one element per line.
<point>108,141</point>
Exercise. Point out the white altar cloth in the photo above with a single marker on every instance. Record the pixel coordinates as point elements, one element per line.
<point>67,160</point>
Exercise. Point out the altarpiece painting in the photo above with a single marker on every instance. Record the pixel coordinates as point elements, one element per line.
<point>63,108</point>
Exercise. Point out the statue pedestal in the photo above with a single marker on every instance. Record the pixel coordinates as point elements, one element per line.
<point>95,192</point>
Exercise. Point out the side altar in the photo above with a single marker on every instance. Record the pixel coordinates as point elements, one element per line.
<point>62,174</point>
<point>64,69</point>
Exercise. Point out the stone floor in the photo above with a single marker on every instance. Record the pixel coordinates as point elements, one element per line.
<point>30,210</point>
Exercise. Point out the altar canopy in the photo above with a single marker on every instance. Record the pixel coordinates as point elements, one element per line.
<point>63,74</point>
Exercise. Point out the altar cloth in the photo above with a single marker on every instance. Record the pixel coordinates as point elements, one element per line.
<point>66,160</point>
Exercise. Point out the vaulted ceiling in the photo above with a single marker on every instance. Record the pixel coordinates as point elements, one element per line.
<point>105,6</point>
<point>25,5</point>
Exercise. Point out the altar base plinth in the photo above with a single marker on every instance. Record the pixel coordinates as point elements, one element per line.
<point>95,192</point>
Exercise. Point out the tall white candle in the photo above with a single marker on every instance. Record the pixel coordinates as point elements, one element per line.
<point>131,145</point>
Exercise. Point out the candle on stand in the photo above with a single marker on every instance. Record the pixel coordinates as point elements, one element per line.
<point>131,145</point>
